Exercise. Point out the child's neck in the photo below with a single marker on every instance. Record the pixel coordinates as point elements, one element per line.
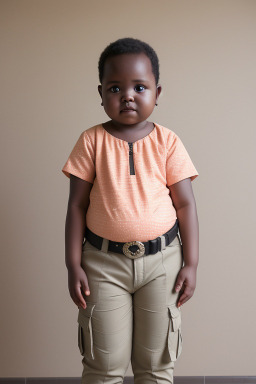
<point>129,133</point>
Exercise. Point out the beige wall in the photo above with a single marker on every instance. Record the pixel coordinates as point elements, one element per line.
<point>49,54</point>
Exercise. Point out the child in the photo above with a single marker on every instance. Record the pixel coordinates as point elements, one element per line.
<point>130,193</point>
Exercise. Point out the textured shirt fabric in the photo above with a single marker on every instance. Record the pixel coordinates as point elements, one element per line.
<point>123,206</point>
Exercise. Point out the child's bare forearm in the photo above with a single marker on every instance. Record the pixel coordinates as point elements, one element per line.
<point>74,234</point>
<point>189,233</point>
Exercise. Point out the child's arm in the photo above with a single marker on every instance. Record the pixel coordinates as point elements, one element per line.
<point>184,202</point>
<point>74,234</point>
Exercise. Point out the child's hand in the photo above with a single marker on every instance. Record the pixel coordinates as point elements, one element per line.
<point>77,285</point>
<point>185,283</point>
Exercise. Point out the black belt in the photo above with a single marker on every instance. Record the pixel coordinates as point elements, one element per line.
<point>135,249</point>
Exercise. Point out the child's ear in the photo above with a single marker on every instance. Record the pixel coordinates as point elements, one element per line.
<point>100,90</point>
<point>158,90</point>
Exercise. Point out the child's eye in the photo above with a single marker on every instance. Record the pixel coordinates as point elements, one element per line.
<point>139,88</point>
<point>114,88</point>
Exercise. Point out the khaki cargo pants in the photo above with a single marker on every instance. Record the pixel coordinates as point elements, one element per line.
<point>131,315</point>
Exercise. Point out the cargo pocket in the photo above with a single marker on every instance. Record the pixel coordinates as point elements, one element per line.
<point>174,332</point>
<point>85,334</point>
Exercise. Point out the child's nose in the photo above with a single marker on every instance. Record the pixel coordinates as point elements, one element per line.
<point>127,96</point>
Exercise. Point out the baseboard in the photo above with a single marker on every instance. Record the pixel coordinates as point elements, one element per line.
<point>129,380</point>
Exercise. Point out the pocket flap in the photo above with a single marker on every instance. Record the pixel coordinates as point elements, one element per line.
<point>175,316</point>
<point>87,312</point>
<point>85,333</point>
<point>174,332</point>
<point>175,344</point>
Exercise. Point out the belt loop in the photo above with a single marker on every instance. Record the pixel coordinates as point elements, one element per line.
<point>104,246</point>
<point>163,244</point>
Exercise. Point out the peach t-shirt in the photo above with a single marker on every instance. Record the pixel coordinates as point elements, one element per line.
<point>129,199</point>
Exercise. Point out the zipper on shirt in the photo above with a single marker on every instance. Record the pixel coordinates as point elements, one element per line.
<point>131,161</point>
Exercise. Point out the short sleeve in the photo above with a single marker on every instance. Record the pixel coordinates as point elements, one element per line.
<point>81,161</point>
<point>179,165</point>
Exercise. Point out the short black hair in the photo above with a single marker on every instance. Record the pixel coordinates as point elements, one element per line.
<point>129,45</point>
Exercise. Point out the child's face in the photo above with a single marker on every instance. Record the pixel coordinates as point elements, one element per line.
<point>129,78</point>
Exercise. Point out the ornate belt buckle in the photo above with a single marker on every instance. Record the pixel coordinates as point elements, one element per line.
<point>134,255</point>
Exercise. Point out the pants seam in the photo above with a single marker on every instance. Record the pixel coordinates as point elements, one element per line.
<point>165,277</point>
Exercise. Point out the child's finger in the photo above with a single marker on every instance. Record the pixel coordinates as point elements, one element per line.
<point>80,296</point>
<point>180,303</point>
<point>183,298</point>
<point>178,285</point>
<point>85,287</point>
